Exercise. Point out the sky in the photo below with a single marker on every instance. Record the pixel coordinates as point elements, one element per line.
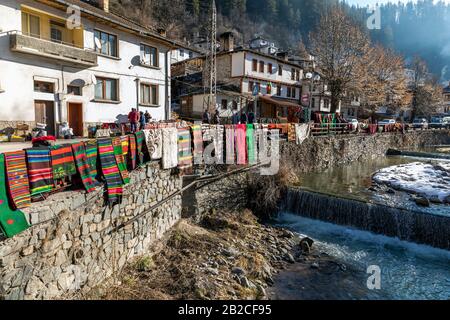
<point>373,2</point>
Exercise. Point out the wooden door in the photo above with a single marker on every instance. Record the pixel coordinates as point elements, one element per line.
<point>45,113</point>
<point>75,118</point>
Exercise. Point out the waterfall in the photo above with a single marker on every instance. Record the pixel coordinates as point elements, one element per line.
<point>413,226</point>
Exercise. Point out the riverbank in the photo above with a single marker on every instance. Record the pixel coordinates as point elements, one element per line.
<point>227,255</point>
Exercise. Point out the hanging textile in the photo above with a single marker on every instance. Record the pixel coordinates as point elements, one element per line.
<point>241,144</point>
<point>81,162</point>
<point>92,155</point>
<point>302,132</point>
<point>153,139</point>
<point>170,148</point>
<point>125,145</point>
<point>218,143</point>
<point>12,222</point>
<point>18,184</point>
<point>62,161</point>
<point>40,173</point>
<point>120,160</point>
<point>198,143</point>
<point>132,152</point>
<point>230,144</point>
<point>291,132</point>
<point>110,171</point>
<point>251,149</point>
<point>184,151</point>
<point>140,148</point>
<point>208,133</point>
<point>103,133</point>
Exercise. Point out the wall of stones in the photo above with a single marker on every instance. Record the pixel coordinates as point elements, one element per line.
<point>72,244</point>
<point>323,152</point>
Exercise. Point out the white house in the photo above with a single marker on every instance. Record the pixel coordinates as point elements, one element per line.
<point>183,53</point>
<point>54,69</point>
<point>242,75</point>
<point>262,45</point>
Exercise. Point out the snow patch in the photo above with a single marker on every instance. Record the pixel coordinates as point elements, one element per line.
<point>428,180</point>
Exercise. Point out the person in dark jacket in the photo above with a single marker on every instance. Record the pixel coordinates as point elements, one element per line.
<point>142,120</point>
<point>206,117</point>
<point>217,117</point>
<point>244,118</point>
<point>147,116</point>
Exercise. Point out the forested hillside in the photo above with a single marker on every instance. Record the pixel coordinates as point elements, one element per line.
<point>411,29</point>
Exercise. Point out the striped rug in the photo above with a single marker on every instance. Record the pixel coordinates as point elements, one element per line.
<point>12,221</point>
<point>132,152</point>
<point>141,147</point>
<point>251,146</point>
<point>184,151</point>
<point>81,161</point>
<point>230,144</point>
<point>110,170</point>
<point>40,173</point>
<point>120,160</point>
<point>92,156</point>
<point>62,161</point>
<point>18,184</point>
<point>125,145</point>
<point>241,144</point>
<point>198,143</point>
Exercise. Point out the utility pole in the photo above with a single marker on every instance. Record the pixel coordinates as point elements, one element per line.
<point>211,63</point>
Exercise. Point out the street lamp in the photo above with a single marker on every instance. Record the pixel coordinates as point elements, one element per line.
<point>313,77</point>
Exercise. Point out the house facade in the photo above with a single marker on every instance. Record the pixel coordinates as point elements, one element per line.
<point>243,76</point>
<point>446,94</point>
<point>70,61</point>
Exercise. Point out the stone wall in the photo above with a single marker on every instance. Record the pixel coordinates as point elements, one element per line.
<point>323,152</point>
<point>72,244</point>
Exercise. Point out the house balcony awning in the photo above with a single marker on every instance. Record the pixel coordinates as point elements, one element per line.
<point>279,102</point>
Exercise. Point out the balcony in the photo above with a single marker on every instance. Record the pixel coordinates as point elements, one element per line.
<point>54,50</point>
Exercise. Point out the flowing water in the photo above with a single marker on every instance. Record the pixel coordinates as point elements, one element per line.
<point>408,270</point>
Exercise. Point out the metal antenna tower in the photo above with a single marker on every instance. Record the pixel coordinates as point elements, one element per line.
<point>211,62</point>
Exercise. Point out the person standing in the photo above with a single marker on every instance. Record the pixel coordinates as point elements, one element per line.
<point>133,117</point>
<point>217,117</point>
<point>243,118</point>
<point>206,117</point>
<point>148,117</point>
<point>142,120</point>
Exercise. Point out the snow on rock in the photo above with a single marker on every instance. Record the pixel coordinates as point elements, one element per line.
<point>428,180</point>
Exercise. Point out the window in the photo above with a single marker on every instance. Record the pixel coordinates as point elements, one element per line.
<point>149,56</point>
<point>255,65</point>
<point>191,54</point>
<point>313,103</point>
<point>251,85</point>
<point>45,87</point>
<point>106,89</point>
<point>235,105</point>
<point>31,25</point>
<point>75,90</point>
<point>224,104</point>
<point>105,43</point>
<point>288,92</point>
<point>298,75</point>
<point>55,34</point>
<point>293,92</point>
<point>279,90</point>
<point>182,53</point>
<point>293,74</point>
<point>270,68</point>
<point>261,66</point>
<point>280,70</point>
<point>149,94</point>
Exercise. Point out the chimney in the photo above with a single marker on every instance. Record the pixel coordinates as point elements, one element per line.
<point>283,55</point>
<point>227,41</point>
<point>104,4</point>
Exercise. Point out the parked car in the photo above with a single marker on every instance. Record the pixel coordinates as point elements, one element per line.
<point>436,123</point>
<point>354,122</point>
<point>420,123</point>
<point>446,122</point>
<point>385,122</point>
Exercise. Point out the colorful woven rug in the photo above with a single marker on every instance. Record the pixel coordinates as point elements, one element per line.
<point>125,145</point>
<point>230,144</point>
<point>132,152</point>
<point>241,144</point>
<point>198,143</point>
<point>81,161</point>
<point>218,144</point>
<point>251,147</point>
<point>110,170</point>
<point>92,156</point>
<point>18,184</point>
<point>141,147</point>
<point>170,148</point>
<point>12,222</point>
<point>184,151</point>
<point>291,133</point>
<point>62,161</point>
<point>40,173</point>
<point>120,160</point>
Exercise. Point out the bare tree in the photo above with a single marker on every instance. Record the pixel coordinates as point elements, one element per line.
<point>339,45</point>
